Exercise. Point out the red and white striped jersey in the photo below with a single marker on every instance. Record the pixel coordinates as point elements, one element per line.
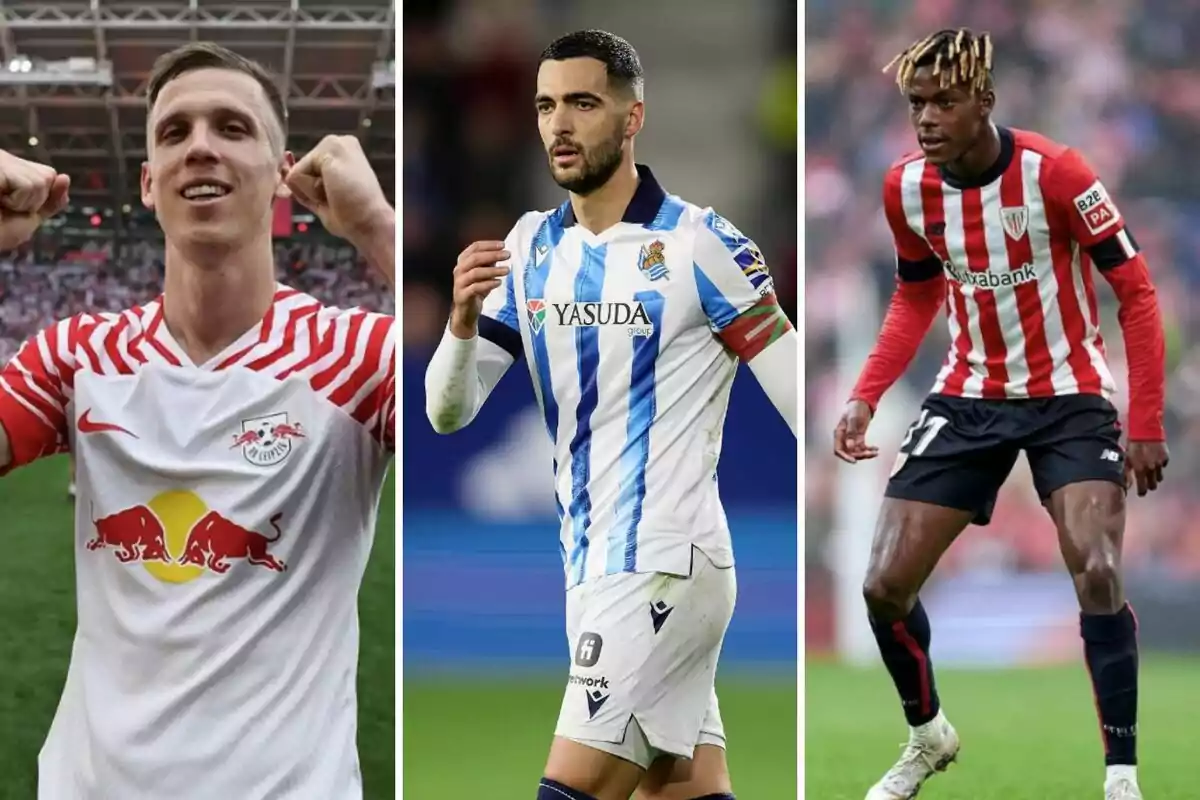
<point>1015,247</point>
<point>225,514</point>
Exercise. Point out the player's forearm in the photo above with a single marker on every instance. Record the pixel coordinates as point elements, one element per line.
<point>459,379</point>
<point>1145,349</point>
<point>452,391</point>
<point>912,310</point>
<point>377,244</point>
<point>775,369</point>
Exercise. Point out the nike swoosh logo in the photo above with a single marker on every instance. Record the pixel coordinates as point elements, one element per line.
<point>86,425</point>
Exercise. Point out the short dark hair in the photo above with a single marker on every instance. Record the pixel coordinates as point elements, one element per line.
<point>208,55</point>
<point>620,60</point>
<point>959,57</point>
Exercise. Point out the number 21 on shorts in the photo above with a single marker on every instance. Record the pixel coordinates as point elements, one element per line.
<point>928,426</point>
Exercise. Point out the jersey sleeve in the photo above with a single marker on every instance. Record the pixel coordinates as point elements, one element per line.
<point>1081,202</point>
<point>736,291</point>
<point>360,377</point>
<point>731,274</point>
<point>35,387</point>
<point>387,406</point>
<point>915,260</point>
<point>498,323</point>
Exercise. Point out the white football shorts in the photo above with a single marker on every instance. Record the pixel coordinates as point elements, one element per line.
<point>644,651</point>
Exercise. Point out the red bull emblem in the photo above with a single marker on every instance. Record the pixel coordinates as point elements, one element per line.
<point>266,441</point>
<point>214,539</point>
<point>136,533</point>
<point>177,538</point>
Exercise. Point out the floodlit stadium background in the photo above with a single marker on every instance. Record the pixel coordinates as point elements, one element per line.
<point>485,654</point>
<point>72,83</point>
<point>1116,80</point>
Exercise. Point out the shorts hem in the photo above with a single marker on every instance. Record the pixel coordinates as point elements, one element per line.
<point>1108,478</point>
<point>899,493</point>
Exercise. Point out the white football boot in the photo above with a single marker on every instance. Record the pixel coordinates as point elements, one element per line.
<point>931,748</point>
<point>1121,784</point>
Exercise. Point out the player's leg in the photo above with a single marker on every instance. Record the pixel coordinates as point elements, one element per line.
<point>950,468</point>
<point>578,771</point>
<point>705,776</point>
<point>1078,468</point>
<point>645,654</point>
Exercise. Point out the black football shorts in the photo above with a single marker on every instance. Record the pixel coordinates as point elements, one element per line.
<point>959,451</point>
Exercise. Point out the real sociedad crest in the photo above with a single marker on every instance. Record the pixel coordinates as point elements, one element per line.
<point>652,262</point>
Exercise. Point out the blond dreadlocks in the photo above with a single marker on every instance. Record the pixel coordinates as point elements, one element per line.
<point>958,57</point>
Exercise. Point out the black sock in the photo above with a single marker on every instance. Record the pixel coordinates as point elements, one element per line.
<point>1110,647</point>
<point>904,646</point>
<point>553,790</point>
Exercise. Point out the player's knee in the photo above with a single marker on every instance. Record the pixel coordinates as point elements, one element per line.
<point>549,789</point>
<point>1099,584</point>
<point>887,597</point>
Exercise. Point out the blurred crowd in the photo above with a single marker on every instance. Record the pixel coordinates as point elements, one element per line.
<point>47,281</point>
<point>1116,80</point>
<point>473,163</point>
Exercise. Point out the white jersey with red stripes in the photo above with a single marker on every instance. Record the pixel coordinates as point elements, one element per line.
<point>1016,249</point>
<point>225,514</point>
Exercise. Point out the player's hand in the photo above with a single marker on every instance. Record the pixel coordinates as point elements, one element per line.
<point>850,436</point>
<point>475,276</point>
<point>1144,465</point>
<point>336,182</point>
<point>29,195</point>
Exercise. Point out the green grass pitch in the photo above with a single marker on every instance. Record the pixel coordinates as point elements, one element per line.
<point>484,735</point>
<point>1027,734</point>
<point>37,623</point>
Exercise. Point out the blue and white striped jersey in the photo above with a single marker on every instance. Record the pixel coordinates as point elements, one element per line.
<point>619,331</point>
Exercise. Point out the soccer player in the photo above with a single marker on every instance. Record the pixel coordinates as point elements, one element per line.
<point>1002,228</point>
<point>633,309</point>
<point>232,439</point>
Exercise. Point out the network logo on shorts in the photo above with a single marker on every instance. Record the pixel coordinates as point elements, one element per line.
<point>587,654</point>
<point>595,689</point>
<point>587,651</point>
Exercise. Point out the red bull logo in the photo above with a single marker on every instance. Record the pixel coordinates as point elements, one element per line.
<point>215,539</point>
<point>177,538</point>
<point>136,534</point>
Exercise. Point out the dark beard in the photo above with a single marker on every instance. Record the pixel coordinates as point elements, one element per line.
<point>598,166</point>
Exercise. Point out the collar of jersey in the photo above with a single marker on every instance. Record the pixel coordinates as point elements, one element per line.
<point>1007,148</point>
<point>642,209</point>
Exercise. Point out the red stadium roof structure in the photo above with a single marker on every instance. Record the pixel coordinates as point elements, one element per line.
<point>73,76</point>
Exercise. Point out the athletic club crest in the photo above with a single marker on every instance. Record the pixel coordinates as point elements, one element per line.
<point>266,441</point>
<point>653,263</point>
<point>1015,220</point>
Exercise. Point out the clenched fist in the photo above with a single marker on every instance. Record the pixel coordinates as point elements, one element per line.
<point>335,181</point>
<point>29,195</point>
<point>475,276</point>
